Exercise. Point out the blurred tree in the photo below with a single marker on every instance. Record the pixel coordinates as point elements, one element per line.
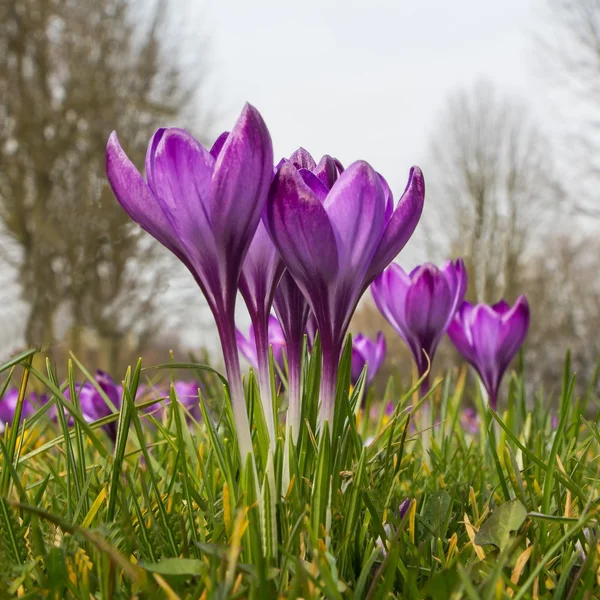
<point>569,49</point>
<point>72,71</point>
<point>488,188</point>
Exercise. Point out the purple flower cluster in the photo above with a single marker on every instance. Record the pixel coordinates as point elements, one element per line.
<point>93,404</point>
<point>304,238</point>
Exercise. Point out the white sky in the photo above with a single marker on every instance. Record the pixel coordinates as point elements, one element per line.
<point>359,79</point>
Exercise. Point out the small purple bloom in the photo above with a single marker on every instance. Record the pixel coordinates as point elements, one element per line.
<point>404,506</point>
<point>93,406</point>
<point>8,405</point>
<point>489,337</point>
<point>335,233</point>
<point>367,352</point>
<point>470,421</point>
<point>187,394</point>
<point>420,306</point>
<point>247,345</point>
<point>204,206</point>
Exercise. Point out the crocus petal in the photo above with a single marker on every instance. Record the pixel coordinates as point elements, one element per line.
<point>247,347</point>
<point>400,226</point>
<point>242,175</point>
<point>326,171</point>
<point>428,303</point>
<point>291,308</point>
<point>261,272</point>
<point>515,324</point>
<point>136,198</point>
<point>302,159</point>
<point>301,229</point>
<point>356,207</point>
<point>317,187</point>
<point>219,143</point>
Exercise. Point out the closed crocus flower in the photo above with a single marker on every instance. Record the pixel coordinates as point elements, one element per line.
<point>489,337</point>
<point>205,207</point>
<point>420,305</point>
<point>335,232</point>
<point>292,311</point>
<point>367,352</point>
<point>8,406</point>
<point>261,273</point>
<point>247,345</point>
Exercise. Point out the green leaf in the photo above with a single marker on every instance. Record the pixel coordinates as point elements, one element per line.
<point>436,513</point>
<point>176,566</point>
<point>497,528</point>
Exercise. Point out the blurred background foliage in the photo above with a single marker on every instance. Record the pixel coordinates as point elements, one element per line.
<point>76,275</point>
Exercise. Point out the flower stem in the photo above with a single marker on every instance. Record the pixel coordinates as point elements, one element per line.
<point>261,334</point>
<point>294,360</point>
<point>226,329</point>
<point>330,362</point>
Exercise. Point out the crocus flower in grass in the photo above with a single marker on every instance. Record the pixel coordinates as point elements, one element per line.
<point>489,337</point>
<point>335,233</point>
<point>249,345</point>
<point>367,352</point>
<point>93,406</point>
<point>8,406</point>
<point>205,207</point>
<point>187,394</point>
<point>420,305</point>
<point>470,421</point>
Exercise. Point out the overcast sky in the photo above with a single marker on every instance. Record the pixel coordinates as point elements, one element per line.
<point>364,79</point>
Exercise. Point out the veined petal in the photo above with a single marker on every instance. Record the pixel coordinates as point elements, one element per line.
<point>219,143</point>
<point>182,173</point>
<point>356,207</point>
<point>400,226</point>
<point>301,230</point>
<point>302,159</point>
<point>240,184</point>
<point>261,272</point>
<point>314,183</point>
<point>136,198</point>
<point>326,171</point>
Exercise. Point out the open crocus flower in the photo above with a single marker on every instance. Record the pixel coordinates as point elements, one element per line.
<point>489,337</point>
<point>247,345</point>
<point>335,232</point>
<point>420,306</point>
<point>205,207</point>
<point>8,405</point>
<point>367,352</point>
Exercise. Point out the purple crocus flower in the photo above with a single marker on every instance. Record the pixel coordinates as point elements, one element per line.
<point>470,421</point>
<point>335,233</point>
<point>489,337</point>
<point>8,405</point>
<point>367,352</point>
<point>261,273</point>
<point>248,346</point>
<point>93,406</point>
<point>187,394</point>
<point>205,207</point>
<point>421,305</point>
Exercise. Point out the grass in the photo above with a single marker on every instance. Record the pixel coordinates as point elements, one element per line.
<point>169,511</point>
